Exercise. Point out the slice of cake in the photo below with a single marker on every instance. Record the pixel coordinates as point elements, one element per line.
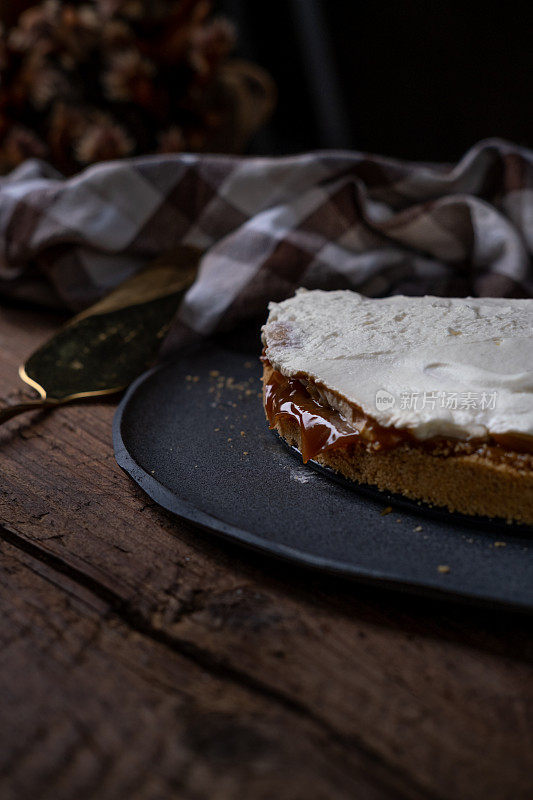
<point>426,396</point>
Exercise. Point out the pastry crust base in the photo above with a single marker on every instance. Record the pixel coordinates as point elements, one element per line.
<point>471,484</point>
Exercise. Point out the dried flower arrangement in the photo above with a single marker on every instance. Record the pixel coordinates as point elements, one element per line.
<point>87,81</point>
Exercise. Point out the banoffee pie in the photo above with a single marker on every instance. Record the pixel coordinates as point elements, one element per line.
<point>429,397</point>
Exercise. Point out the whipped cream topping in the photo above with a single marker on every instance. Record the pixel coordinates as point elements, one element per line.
<point>458,367</point>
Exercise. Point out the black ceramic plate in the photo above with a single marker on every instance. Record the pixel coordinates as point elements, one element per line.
<point>194,437</point>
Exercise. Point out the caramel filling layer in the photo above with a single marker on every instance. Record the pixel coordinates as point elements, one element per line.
<point>322,428</point>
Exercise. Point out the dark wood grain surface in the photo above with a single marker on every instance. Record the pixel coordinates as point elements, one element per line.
<point>141,658</point>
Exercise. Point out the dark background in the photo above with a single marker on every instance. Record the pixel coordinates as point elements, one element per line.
<point>418,80</point>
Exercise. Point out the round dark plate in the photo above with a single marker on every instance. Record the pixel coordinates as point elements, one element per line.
<point>192,434</point>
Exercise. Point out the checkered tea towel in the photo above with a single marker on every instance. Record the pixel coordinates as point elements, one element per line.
<point>321,220</point>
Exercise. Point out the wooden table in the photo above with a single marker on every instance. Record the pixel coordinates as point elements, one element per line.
<point>141,658</point>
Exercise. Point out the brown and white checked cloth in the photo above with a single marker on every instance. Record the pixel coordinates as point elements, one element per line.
<point>320,220</point>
